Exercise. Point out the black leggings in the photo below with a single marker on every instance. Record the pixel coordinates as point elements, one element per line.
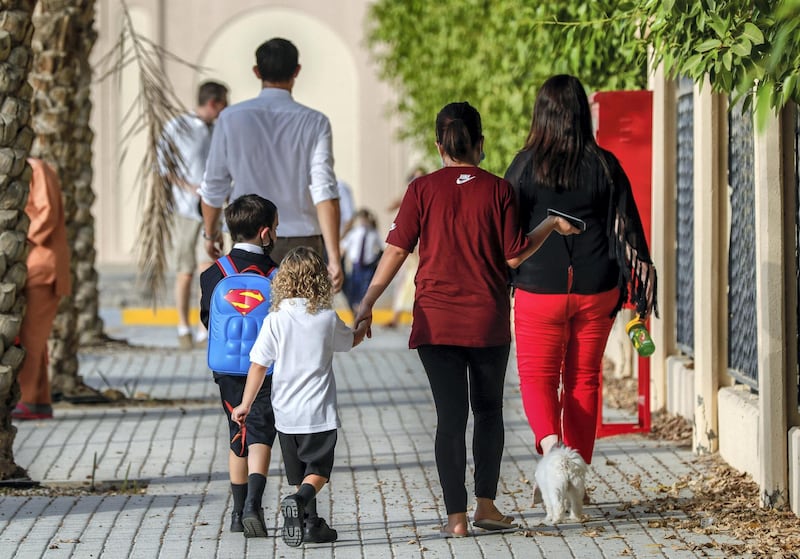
<point>453,393</point>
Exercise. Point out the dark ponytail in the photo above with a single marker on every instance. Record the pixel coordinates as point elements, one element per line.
<point>458,130</point>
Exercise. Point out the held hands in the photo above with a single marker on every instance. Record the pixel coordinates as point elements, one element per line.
<point>363,321</point>
<point>359,333</point>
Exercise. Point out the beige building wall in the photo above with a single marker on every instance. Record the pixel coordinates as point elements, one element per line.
<point>218,40</point>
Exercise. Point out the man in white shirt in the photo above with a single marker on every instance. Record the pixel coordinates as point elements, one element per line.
<point>188,136</point>
<point>279,149</point>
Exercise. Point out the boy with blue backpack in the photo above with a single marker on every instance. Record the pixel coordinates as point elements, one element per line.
<point>235,297</point>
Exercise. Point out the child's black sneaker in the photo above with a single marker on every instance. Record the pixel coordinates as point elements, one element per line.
<point>253,522</point>
<point>236,522</point>
<point>317,531</point>
<point>293,509</point>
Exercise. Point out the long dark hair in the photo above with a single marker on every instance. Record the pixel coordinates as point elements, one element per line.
<point>458,129</point>
<point>561,132</point>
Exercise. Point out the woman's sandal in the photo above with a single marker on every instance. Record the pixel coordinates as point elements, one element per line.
<point>505,523</point>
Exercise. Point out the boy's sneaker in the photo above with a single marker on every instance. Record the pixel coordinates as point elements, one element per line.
<point>293,510</point>
<point>236,522</point>
<point>317,531</point>
<point>253,522</point>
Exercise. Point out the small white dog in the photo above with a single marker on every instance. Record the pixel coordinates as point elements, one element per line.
<point>560,476</point>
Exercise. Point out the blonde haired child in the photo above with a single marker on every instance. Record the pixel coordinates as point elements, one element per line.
<point>300,336</point>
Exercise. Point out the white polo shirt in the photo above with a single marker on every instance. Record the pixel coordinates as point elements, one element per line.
<point>301,345</point>
<point>277,148</point>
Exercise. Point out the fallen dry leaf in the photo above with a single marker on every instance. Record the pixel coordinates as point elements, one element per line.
<point>720,502</point>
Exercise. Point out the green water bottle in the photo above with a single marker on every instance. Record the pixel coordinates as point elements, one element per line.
<point>640,337</point>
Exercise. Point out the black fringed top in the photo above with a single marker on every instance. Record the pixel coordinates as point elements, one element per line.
<point>612,252</point>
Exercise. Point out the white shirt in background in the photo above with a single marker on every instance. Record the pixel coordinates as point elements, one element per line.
<point>277,148</point>
<point>347,206</point>
<point>301,345</point>
<point>372,245</point>
<point>192,139</point>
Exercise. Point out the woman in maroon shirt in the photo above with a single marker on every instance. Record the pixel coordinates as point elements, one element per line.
<point>465,221</point>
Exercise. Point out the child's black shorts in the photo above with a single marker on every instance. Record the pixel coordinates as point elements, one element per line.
<point>310,453</point>
<point>260,421</point>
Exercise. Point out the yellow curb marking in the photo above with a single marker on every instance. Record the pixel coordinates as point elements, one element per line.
<point>168,316</point>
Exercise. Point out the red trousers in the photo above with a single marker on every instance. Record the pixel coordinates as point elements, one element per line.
<point>560,343</point>
<point>42,304</point>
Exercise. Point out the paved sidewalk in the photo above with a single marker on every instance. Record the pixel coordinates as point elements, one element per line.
<point>384,497</point>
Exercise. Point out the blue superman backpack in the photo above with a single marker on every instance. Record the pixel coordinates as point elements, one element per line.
<point>239,304</point>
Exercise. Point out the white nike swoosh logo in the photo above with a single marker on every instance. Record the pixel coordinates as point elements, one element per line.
<point>464,178</point>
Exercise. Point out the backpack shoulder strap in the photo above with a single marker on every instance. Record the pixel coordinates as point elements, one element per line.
<point>226,266</point>
<point>256,270</point>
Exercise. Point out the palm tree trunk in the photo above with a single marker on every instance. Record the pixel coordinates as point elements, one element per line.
<point>16,137</point>
<point>63,38</point>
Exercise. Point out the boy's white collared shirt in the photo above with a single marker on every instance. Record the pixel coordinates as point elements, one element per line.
<point>301,345</point>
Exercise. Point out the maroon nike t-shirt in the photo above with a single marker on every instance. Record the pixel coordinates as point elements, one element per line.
<point>465,221</point>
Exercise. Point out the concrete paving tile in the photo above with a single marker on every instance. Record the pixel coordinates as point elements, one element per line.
<point>384,496</point>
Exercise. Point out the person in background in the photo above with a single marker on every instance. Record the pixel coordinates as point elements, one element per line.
<point>362,246</point>
<point>403,297</point>
<point>48,281</point>
<point>189,137</point>
<point>465,222</point>
<point>279,149</point>
<point>347,206</point>
<point>567,294</point>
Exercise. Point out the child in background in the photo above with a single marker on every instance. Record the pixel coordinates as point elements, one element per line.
<point>299,337</point>
<point>403,298</point>
<point>363,247</point>
<point>252,221</point>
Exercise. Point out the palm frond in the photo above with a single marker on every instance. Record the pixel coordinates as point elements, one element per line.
<point>153,107</point>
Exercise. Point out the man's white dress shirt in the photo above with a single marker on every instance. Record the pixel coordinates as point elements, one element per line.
<point>277,148</point>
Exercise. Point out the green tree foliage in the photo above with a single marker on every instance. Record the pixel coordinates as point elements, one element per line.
<point>495,54</point>
<point>742,46</point>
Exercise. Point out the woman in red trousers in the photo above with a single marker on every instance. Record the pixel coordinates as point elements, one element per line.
<point>567,294</point>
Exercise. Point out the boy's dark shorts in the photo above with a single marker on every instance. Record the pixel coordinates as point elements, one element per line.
<point>260,421</point>
<point>306,454</point>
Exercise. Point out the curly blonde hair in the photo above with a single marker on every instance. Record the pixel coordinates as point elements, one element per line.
<point>303,274</point>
